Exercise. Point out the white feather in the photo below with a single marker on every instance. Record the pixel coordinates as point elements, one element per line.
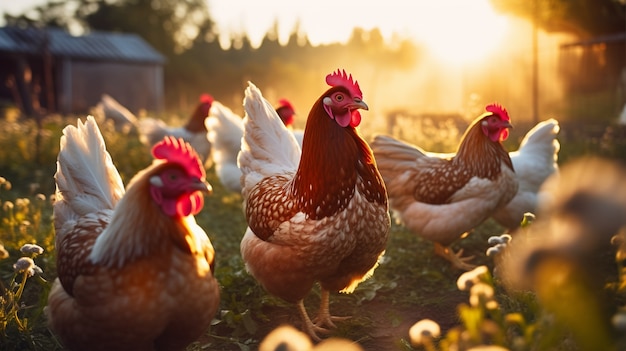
<point>268,147</point>
<point>534,161</point>
<point>87,181</point>
<point>224,131</point>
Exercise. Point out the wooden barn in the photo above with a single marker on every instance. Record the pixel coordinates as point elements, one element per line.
<point>48,70</point>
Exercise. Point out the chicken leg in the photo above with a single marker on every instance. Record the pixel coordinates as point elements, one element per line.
<point>323,318</point>
<point>307,325</point>
<point>456,258</point>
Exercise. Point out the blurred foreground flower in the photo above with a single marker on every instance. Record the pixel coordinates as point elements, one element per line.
<point>3,252</point>
<point>288,338</point>
<point>561,256</point>
<point>423,333</point>
<point>468,279</point>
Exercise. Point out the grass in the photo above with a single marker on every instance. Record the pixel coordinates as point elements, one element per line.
<point>411,283</point>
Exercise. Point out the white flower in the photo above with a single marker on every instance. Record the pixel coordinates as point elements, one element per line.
<point>24,264</point>
<point>423,330</point>
<point>8,205</point>
<point>3,252</point>
<point>619,321</point>
<point>482,292</point>
<point>467,279</point>
<point>31,249</point>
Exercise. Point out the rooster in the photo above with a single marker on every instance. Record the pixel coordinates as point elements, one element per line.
<point>152,130</point>
<point>441,198</point>
<point>225,129</point>
<point>534,161</point>
<point>316,215</point>
<point>135,271</point>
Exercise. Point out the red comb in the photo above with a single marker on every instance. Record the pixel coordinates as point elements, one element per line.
<point>285,103</point>
<point>178,151</point>
<point>341,78</point>
<point>497,109</point>
<point>206,98</point>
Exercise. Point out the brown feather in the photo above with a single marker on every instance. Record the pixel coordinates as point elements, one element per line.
<point>477,156</point>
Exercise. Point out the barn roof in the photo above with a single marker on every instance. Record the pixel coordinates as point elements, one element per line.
<point>96,45</point>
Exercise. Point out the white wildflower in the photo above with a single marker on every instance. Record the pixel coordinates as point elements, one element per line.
<point>7,206</point>
<point>619,321</point>
<point>24,264</point>
<point>22,202</point>
<point>481,292</point>
<point>423,330</point>
<point>468,279</point>
<point>31,249</point>
<point>3,252</point>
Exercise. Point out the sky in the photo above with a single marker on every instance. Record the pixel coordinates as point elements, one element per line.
<point>446,27</point>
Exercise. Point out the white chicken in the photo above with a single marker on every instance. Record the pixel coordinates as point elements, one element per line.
<point>534,161</point>
<point>152,130</point>
<point>109,109</point>
<point>224,132</point>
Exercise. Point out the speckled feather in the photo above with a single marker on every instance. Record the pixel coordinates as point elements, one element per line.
<point>441,196</point>
<point>150,285</point>
<point>324,218</point>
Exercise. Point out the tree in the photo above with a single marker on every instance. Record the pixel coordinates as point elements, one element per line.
<point>583,18</point>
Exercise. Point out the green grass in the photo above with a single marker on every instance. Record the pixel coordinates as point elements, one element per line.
<point>410,284</point>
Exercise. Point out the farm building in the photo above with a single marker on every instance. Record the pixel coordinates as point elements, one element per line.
<point>50,70</point>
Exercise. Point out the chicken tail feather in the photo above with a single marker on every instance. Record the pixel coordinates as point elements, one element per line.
<point>267,146</point>
<point>86,179</point>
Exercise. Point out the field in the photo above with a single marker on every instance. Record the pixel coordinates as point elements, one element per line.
<point>411,283</point>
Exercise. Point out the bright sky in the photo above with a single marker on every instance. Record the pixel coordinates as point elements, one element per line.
<point>447,27</point>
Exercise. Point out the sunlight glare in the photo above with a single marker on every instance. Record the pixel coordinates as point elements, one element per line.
<point>461,31</point>
<point>455,31</point>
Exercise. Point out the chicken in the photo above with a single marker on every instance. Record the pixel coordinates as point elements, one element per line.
<point>534,161</point>
<point>152,130</point>
<point>135,271</point>
<point>225,129</point>
<point>316,215</point>
<point>287,114</point>
<point>109,109</point>
<point>442,198</point>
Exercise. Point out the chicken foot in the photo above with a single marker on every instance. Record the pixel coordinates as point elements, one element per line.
<point>456,258</point>
<point>323,318</point>
<point>308,326</point>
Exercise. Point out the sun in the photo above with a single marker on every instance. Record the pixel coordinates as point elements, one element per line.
<point>461,31</point>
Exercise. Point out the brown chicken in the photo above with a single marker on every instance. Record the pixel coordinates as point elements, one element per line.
<point>135,271</point>
<point>441,197</point>
<point>319,215</point>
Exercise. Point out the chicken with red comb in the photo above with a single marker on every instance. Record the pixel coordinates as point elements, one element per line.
<point>135,271</point>
<point>316,215</point>
<point>440,197</point>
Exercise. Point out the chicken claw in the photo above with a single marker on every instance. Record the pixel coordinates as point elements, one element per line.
<point>308,326</point>
<point>323,318</point>
<point>456,258</point>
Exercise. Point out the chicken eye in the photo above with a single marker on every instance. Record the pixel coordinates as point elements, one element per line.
<point>339,97</point>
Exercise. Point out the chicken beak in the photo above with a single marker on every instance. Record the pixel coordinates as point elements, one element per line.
<point>358,103</point>
<point>202,186</point>
<point>507,124</point>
